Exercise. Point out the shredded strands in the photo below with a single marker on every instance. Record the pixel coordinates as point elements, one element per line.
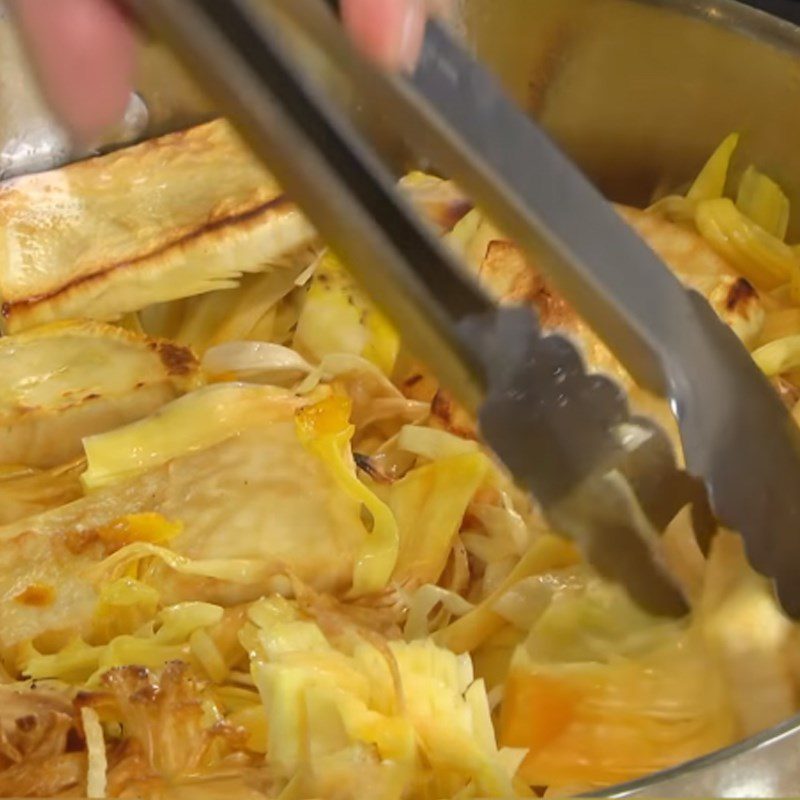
<point>96,779</point>
<point>710,183</point>
<point>761,200</point>
<point>290,569</point>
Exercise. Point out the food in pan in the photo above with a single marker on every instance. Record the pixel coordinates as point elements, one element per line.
<point>248,546</point>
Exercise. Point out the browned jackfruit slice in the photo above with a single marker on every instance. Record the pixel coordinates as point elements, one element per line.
<point>173,217</point>
<point>64,381</point>
<point>250,504</point>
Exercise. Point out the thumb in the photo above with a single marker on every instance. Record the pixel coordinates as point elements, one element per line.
<point>84,51</point>
<point>390,32</point>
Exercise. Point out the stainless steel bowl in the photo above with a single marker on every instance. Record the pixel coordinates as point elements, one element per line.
<point>639,92</point>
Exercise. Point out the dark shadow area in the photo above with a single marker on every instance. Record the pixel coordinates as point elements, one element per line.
<point>786,9</point>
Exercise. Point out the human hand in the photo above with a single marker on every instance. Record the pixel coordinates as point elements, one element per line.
<point>85,49</point>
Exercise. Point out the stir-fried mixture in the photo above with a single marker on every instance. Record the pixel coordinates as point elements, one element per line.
<point>249,545</point>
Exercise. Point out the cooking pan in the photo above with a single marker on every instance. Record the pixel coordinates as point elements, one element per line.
<point>637,91</point>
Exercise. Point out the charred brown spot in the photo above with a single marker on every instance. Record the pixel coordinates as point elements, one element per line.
<point>27,723</point>
<point>469,522</point>
<point>92,396</point>
<point>78,542</point>
<point>453,418</point>
<point>450,214</point>
<point>441,406</point>
<point>177,360</point>
<point>37,595</point>
<point>512,278</point>
<point>250,215</point>
<point>508,274</point>
<point>367,465</point>
<point>76,742</point>
<point>412,381</point>
<point>85,698</point>
<point>739,294</point>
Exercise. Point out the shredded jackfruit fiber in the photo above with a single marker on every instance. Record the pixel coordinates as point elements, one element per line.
<point>200,420</point>
<point>325,429</point>
<point>96,780</point>
<point>468,652</point>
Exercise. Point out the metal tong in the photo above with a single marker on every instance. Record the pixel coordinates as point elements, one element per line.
<point>602,476</point>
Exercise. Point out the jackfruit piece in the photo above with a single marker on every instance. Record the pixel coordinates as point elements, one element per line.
<point>338,318</point>
<point>64,381</point>
<point>411,704</point>
<point>263,307</point>
<point>253,503</point>
<point>627,692</point>
<point>761,199</point>
<point>173,217</point>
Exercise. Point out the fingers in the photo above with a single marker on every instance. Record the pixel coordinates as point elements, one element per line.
<point>388,31</point>
<point>84,51</point>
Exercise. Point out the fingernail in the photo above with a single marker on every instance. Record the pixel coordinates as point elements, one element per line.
<point>411,34</point>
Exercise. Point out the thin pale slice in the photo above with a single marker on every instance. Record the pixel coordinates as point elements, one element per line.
<point>202,419</point>
<point>65,381</point>
<point>253,504</point>
<point>173,217</point>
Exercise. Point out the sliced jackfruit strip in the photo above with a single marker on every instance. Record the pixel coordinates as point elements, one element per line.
<point>429,504</point>
<point>64,381</point>
<point>173,217</point>
<point>710,183</point>
<point>761,199</point>
<point>202,419</point>
<point>166,639</point>
<point>758,255</point>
